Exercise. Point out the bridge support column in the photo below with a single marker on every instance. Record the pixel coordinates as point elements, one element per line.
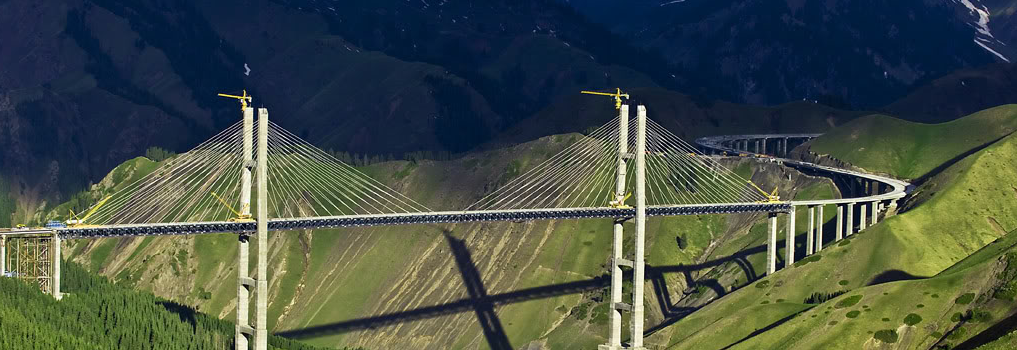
<point>810,242</point>
<point>764,145</point>
<point>790,241</point>
<point>785,147</point>
<point>261,296</point>
<point>771,244</point>
<point>245,284</point>
<point>3,255</point>
<point>617,259</point>
<point>819,228</point>
<point>875,212</point>
<point>850,219</point>
<point>55,279</point>
<point>840,222</point>
<point>861,217</point>
<point>639,265</point>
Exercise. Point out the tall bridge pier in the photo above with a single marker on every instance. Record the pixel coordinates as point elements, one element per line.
<point>617,257</point>
<point>245,284</point>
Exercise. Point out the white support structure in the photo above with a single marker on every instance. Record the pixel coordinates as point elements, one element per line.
<point>55,255</point>
<point>790,242</point>
<point>3,255</point>
<point>850,219</point>
<point>244,281</point>
<point>638,263</point>
<point>771,244</point>
<point>261,293</point>
<point>819,228</point>
<point>810,240</point>
<point>861,217</point>
<point>617,259</point>
<point>840,222</point>
<point>875,212</point>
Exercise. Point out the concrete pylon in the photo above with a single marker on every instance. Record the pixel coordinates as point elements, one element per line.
<point>875,212</point>
<point>617,259</point>
<point>850,219</point>
<point>771,244</point>
<point>790,241</point>
<point>840,222</point>
<point>3,255</point>
<point>639,264</point>
<point>244,281</point>
<point>861,217</point>
<point>261,294</point>
<point>810,240</point>
<point>55,282</point>
<point>819,228</point>
<point>764,146</point>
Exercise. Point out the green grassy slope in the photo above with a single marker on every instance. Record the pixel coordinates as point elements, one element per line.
<point>909,150</point>
<point>97,314</point>
<point>943,310</point>
<point>963,209</point>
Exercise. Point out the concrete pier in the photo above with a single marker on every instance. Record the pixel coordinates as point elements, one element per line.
<point>840,222</point>
<point>790,241</point>
<point>861,217</point>
<point>3,255</point>
<point>244,281</point>
<point>875,212</point>
<point>56,267</point>
<point>850,219</point>
<point>819,228</point>
<point>771,244</point>
<point>639,265</point>
<point>810,243</point>
<point>261,294</point>
<point>615,316</point>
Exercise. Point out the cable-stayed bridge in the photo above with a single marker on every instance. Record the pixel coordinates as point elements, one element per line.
<point>609,172</point>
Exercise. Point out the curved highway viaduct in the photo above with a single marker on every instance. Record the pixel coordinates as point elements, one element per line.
<point>868,195</point>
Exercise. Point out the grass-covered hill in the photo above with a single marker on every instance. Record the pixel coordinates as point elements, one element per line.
<point>421,286</point>
<point>98,314</point>
<point>904,149</point>
<point>921,256</point>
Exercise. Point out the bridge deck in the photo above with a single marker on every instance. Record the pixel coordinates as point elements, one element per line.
<point>413,218</point>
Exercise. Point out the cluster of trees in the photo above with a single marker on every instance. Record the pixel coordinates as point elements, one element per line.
<point>98,314</point>
<point>157,154</point>
<point>819,298</point>
<point>357,159</point>
<point>7,204</point>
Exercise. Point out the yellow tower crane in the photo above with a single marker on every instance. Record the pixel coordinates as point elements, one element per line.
<point>77,222</point>
<point>617,96</point>
<point>770,197</point>
<point>240,217</point>
<point>245,99</point>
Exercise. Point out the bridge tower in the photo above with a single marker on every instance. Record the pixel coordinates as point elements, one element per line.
<point>617,257</point>
<point>245,284</point>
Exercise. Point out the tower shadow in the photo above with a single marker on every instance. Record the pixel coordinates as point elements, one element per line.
<point>483,306</point>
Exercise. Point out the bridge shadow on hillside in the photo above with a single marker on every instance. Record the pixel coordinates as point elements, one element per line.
<point>484,304</point>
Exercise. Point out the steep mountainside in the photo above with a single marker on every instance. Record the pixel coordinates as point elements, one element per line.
<point>862,53</point>
<point>884,271</point>
<point>96,82</point>
<point>911,150</point>
<point>958,94</point>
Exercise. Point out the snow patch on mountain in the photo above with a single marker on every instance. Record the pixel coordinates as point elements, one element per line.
<point>982,26</point>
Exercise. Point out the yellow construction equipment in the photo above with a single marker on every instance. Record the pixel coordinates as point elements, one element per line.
<point>617,96</point>
<point>244,100</point>
<point>76,221</point>
<point>770,197</point>
<point>620,204</point>
<point>239,216</point>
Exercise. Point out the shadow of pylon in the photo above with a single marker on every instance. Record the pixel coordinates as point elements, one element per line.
<point>483,306</point>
